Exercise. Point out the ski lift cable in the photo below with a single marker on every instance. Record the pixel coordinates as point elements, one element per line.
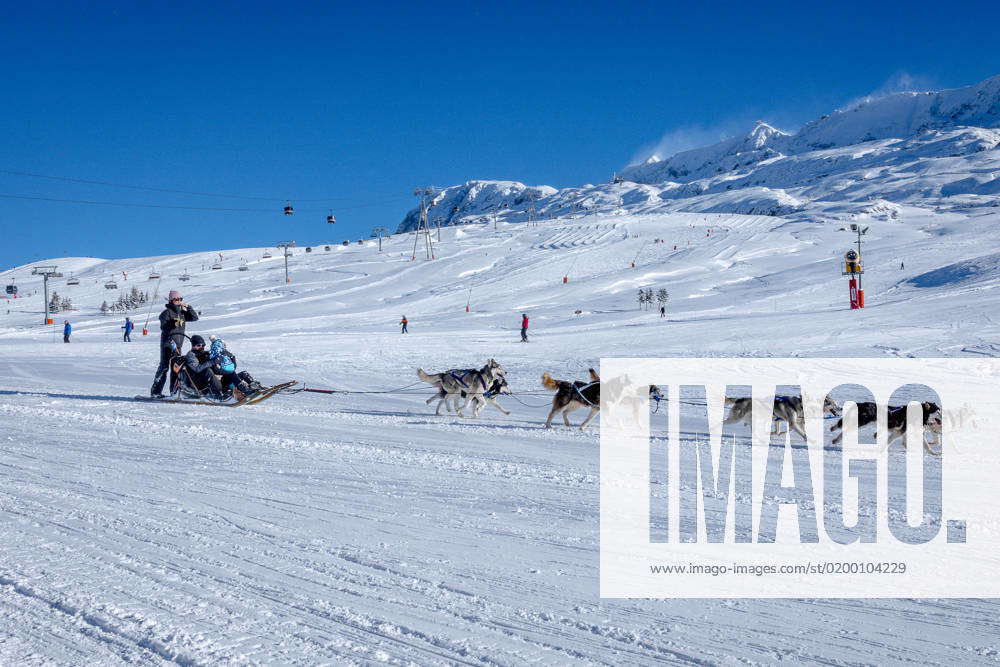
<point>182,192</point>
<point>182,208</point>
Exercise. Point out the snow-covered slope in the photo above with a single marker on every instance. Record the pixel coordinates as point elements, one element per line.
<point>359,527</point>
<point>936,150</point>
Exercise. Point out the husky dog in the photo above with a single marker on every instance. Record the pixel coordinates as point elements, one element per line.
<point>867,414</point>
<point>613,393</point>
<point>787,409</point>
<point>464,383</point>
<point>571,396</point>
<point>931,418</point>
<point>479,399</point>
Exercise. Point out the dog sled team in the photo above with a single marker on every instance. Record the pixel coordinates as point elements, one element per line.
<point>210,374</point>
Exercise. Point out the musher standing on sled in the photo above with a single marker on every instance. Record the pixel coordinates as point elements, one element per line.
<point>172,321</point>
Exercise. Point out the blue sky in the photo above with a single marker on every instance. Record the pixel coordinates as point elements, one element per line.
<point>358,104</point>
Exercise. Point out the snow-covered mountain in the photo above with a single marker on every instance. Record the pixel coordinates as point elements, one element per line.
<point>936,150</point>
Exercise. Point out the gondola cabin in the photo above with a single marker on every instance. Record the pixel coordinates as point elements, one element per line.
<point>346,243</point>
<point>330,219</point>
<point>326,248</point>
<point>309,249</point>
<point>11,289</point>
<point>289,210</point>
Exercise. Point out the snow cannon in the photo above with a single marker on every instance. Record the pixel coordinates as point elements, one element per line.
<point>852,263</point>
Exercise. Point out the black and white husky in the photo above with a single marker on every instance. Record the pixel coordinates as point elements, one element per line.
<point>930,419</point>
<point>476,386</point>
<point>571,396</point>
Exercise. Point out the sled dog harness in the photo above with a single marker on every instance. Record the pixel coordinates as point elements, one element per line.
<point>580,390</point>
<point>461,379</point>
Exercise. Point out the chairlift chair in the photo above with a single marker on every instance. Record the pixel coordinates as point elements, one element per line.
<point>73,280</point>
<point>266,255</point>
<point>244,267</point>
<point>288,209</point>
<point>184,277</point>
<point>216,266</point>
<point>111,284</point>
<point>330,219</point>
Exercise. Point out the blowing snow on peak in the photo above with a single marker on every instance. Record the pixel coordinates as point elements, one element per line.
<point>926,149</point>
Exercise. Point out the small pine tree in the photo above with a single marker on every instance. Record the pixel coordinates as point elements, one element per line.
<point>54,302</point>
<point>649,298</point>
<point>641,298</point>
<point>66,303</point>
<point>105,309</point>
<point>662,296</point>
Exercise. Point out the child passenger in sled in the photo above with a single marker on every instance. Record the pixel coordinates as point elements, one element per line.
<point>225,365</point>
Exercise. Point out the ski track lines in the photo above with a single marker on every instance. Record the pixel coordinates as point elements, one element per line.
<point>362,528</point>
<point>231,544</point>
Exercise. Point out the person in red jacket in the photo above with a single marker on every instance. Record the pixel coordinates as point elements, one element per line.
<point>524,327</point>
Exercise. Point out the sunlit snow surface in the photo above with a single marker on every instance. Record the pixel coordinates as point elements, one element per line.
<point>362,528</point>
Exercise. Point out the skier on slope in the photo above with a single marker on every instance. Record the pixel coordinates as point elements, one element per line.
<point>128,329</point>
<point>404,322</point>
<point>524,327</point>
<point>67,330</point>
<point>174,317</point>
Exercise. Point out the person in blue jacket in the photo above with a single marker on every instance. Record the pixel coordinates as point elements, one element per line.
<point>67,330</point>
<point>225,365</point>
<point>128,329</point>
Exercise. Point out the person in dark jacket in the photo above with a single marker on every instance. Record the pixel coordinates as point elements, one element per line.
<point>198,365</point>
<point>128,329</point>
<point>403,322</point>
<point>524,327</point>
<point>67,330</point>
<point>174,317</point>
